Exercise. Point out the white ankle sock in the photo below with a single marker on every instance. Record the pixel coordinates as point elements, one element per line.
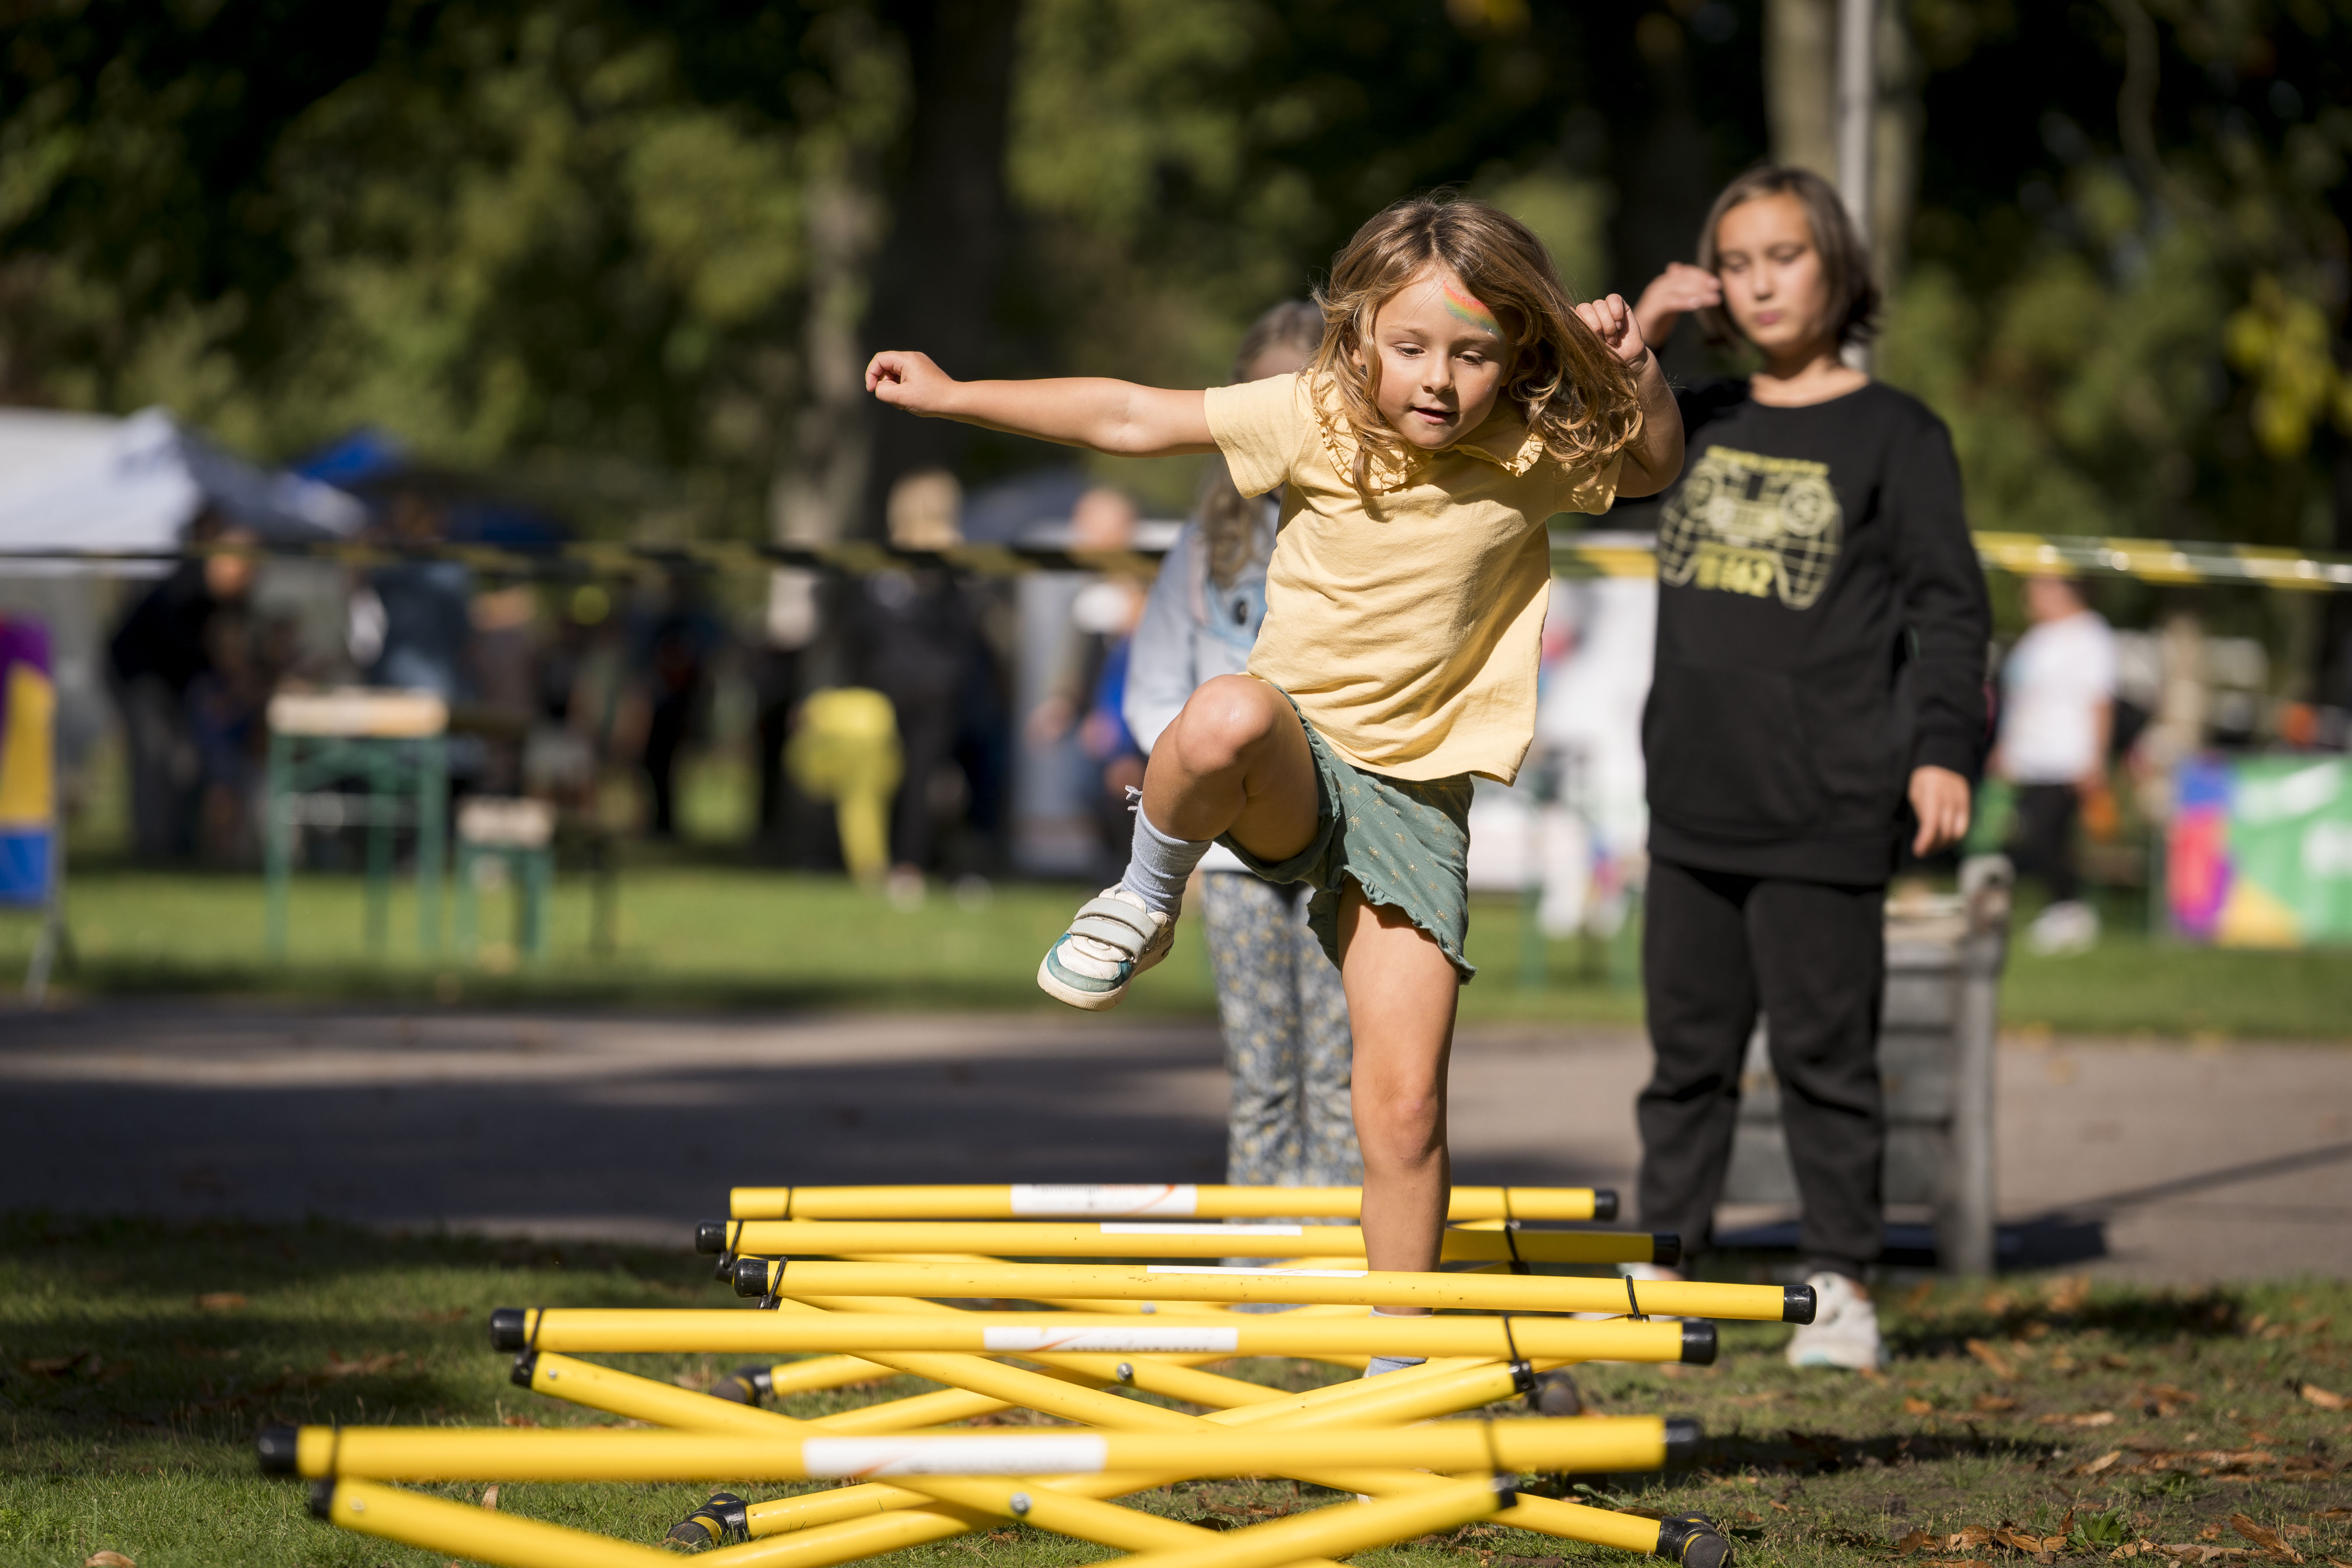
<point>1386,1363</point>
<point>1157,866</point>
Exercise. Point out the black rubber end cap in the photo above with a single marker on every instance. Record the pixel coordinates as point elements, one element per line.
<point>525,1365</point>
<point>1604,1203</point>
<point>1692,1540</point>
<point>711,1237</point>
<point>322,1499</point>
<point>751,1275</point>
<point>509,1329</point>
<point>1797,1304</point>
<point>1683,1438</point>
<point>1665,1250</point>
<point>275,1448</point>
<point>1698,1342</point>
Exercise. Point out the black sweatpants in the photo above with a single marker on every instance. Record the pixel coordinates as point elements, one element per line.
<point>1715,947</point>
<point>2043,843</point>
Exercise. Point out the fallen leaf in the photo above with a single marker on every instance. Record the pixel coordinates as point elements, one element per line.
<point>2017,1541</point>
<point>2084,1418</point>
<point>220,1300</point>
<point>520,1421</point>
<point>2318,1395</point>
<point>1918,1541</point>
<point>2276,1549</point>
<point>1969,1537</point>
<point>1915,1406</point>
<point>1784,1508</point>
<point>1994,1404</point>
<point>2069,1294</point>
<point>1998,1364</point>
<point>363,1366</point>
<point>2333,1513</point>
<point>490,1497</point>
<point>108,1560</point>
<point>56,1365</point>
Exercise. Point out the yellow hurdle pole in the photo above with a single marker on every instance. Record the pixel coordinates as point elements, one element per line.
<point>461,1529</point>
<point>1151,1238</point>
<point>1340,1530</point>
<point>666,1404</point>
<point>1145,1201</point>
<point>1190,1283</point>
<point>1589,1443</point>
<point>1171,1375</point>
<point>888,1340</point>
<point>642,1398</point>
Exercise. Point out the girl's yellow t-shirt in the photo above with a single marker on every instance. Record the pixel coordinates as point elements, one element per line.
<point>1405,619</point>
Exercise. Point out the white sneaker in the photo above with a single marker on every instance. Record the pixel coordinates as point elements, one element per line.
<point>2069,927</point>
<point>1844,1330</point>
<point>1113,940</point>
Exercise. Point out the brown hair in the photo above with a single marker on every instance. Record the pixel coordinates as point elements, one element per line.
<point>1573,392</point>
<point>1229,519</point>
<point>1845,260</point>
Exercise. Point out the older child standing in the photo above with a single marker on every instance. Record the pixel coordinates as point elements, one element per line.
<point>1457,401</point>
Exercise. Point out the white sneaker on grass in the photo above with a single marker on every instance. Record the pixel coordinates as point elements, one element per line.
<point>1114,938</point>
<point>1844,1330</point>
<point>2063,928</point>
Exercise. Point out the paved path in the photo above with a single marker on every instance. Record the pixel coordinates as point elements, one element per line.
<point>2174,1163</point>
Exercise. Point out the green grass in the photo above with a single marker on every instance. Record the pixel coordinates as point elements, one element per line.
<point>698,935</point>
<point>140,1357</point>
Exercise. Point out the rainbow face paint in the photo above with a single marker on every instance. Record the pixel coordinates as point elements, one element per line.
<point>1469,311</point>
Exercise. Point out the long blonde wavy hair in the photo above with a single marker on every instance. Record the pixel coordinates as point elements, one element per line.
<point>1228,518</point>
<point>1572,392</point>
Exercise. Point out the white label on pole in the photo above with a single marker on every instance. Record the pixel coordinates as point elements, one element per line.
<point>853,1458</point>
<point>1178,1340</point>
<point>1205,1230</point>
<point>1087,1198</point>
<point>1285,1273</point>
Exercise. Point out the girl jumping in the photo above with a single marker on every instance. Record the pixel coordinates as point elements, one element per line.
<point>1457,401</point>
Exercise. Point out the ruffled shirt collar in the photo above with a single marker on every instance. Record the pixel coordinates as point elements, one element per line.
<point>1503,438</point>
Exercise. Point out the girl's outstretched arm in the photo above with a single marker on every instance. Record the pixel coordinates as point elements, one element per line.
<point>1654,460</point>
<point>1115,416</point>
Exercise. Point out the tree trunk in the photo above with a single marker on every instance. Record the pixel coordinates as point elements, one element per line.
<point>935,281</point>
<point>1801,84</point>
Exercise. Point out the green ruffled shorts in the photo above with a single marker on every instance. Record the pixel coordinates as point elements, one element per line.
<point>1406,842</point>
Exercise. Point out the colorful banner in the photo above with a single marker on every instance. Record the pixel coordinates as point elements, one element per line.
<point>2259,851</point>
<point>28,775</point>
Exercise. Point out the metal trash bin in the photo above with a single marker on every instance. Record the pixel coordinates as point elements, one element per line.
<point>1944,958</point>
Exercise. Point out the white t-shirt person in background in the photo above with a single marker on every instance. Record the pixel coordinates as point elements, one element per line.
<point>2057,713</point>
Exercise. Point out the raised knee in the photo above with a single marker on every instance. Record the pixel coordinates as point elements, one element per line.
<point>1227,718</point>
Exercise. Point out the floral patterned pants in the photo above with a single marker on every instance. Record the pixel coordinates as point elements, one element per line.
<point>1287,1040</point>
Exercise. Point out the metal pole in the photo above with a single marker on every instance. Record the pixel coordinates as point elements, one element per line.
<point>1857,115</point>
<point>276,830</point>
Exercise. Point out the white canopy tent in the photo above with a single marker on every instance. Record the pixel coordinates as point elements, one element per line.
<point>78,485</point>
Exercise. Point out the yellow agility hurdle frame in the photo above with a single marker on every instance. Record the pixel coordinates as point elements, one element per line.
<point>1196,1286</point>
<point>689,1329</point>
<point>1588,1442</point>
<point>1154,1239</point>
<point>1092,1200</point>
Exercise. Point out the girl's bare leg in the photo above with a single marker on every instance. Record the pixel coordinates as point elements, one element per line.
<point>1235,761</point>
<point>1401,991</point>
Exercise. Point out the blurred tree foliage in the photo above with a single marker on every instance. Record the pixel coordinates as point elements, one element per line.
<point>2129,265</point>
<point>644,246</point>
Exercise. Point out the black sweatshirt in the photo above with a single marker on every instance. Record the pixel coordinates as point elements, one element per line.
<point>1821,632</point>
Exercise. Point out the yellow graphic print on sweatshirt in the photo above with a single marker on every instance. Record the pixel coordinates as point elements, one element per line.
<point>1745,523</point>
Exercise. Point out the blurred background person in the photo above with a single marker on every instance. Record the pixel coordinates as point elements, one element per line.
<point>160,649</point>
<point>674,658</point>
<point>1818,698</point>
<point>2057,717</point>
<point>414,620</point>
<point>1086,691</point>
<point>914,637</point>
<point>1279,999</point>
